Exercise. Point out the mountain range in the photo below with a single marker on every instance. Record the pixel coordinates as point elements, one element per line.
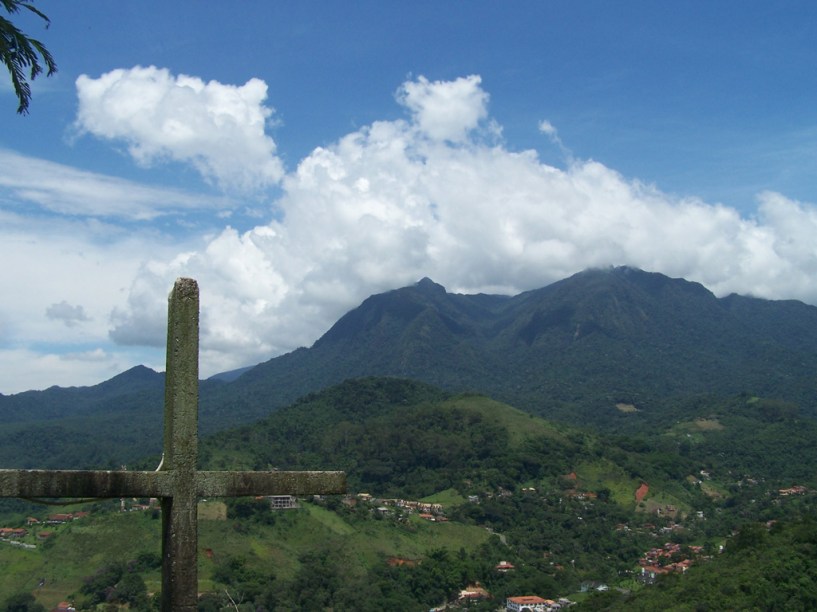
<point>617,349</point>
<point>570,351</point>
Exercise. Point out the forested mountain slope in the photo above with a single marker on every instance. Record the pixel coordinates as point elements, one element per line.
<point>569,351</point>
<point>617,349</point>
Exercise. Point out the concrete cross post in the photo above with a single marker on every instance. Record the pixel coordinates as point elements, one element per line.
<point>179,520</point>
<point>179,484</point>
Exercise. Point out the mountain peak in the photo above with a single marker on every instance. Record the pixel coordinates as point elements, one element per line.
<point>426,285</point>
<point>138,372</point>
<point>136,377</point>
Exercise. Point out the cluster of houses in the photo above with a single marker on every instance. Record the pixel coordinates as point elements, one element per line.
<point>426,510</point>
<point>13,535</point>
<point>59,519</point>
<point>669,558</point>
<point>52,519</point>
<point>520,603</point>
<point>795,490</point>
<point>536,604</point>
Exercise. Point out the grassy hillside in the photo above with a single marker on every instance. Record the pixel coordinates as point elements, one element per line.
<point>55,571</point>
<point>56,567</point>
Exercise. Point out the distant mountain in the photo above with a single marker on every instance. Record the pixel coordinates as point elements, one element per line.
<point>615,348</point>
<point>230,375</point>
<point>136,389</point>
<point>571,350</point>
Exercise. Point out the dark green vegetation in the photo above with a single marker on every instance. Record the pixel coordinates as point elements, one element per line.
<point>570,352</point>
<point>762,568</point>
<point>50,428</point>
<point>562,500</point>
<point>21,53</point>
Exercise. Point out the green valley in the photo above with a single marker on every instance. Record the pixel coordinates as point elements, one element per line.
<point>442,489</point>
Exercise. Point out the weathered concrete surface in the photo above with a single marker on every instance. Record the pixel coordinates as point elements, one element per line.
<point>87,483</point>
<point>236,484</point>
<point>79,483</point>
<point>179,515</point>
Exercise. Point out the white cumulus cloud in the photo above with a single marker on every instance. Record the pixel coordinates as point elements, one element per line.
<point>445,110</point>
<point>220,129</point>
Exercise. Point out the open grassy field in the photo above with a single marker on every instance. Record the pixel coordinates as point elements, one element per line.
<point>521,425</point>
<point>311,527</point>
<point>54,570</point>
<point>449,498</point>
<point>594,475</point>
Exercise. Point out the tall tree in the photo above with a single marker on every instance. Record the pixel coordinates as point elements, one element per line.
<point>21,54</point>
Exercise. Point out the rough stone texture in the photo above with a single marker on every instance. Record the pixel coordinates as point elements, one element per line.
<point>84,483</point>
<point>77,483</point>
<point>178,484</point>
<point>179,517</point>
<point>236,484</point>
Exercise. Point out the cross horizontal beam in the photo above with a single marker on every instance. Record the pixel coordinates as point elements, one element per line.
<point>118,483</point>
<point>236,484</point>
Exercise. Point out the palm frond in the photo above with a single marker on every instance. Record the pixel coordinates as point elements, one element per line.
<point>21,54</point>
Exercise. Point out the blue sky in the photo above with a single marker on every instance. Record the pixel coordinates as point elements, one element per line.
<point>296,157</point>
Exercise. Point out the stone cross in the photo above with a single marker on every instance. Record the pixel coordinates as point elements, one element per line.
<point>178,482</point>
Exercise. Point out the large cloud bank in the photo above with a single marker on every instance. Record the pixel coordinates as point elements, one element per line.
<point>435,194</point>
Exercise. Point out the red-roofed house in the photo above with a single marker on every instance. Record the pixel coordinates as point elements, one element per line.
<point>55,519</point>
<point>12,532</point>
<point>530,603</point>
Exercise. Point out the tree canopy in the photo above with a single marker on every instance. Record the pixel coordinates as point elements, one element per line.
<point>22,54</point>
